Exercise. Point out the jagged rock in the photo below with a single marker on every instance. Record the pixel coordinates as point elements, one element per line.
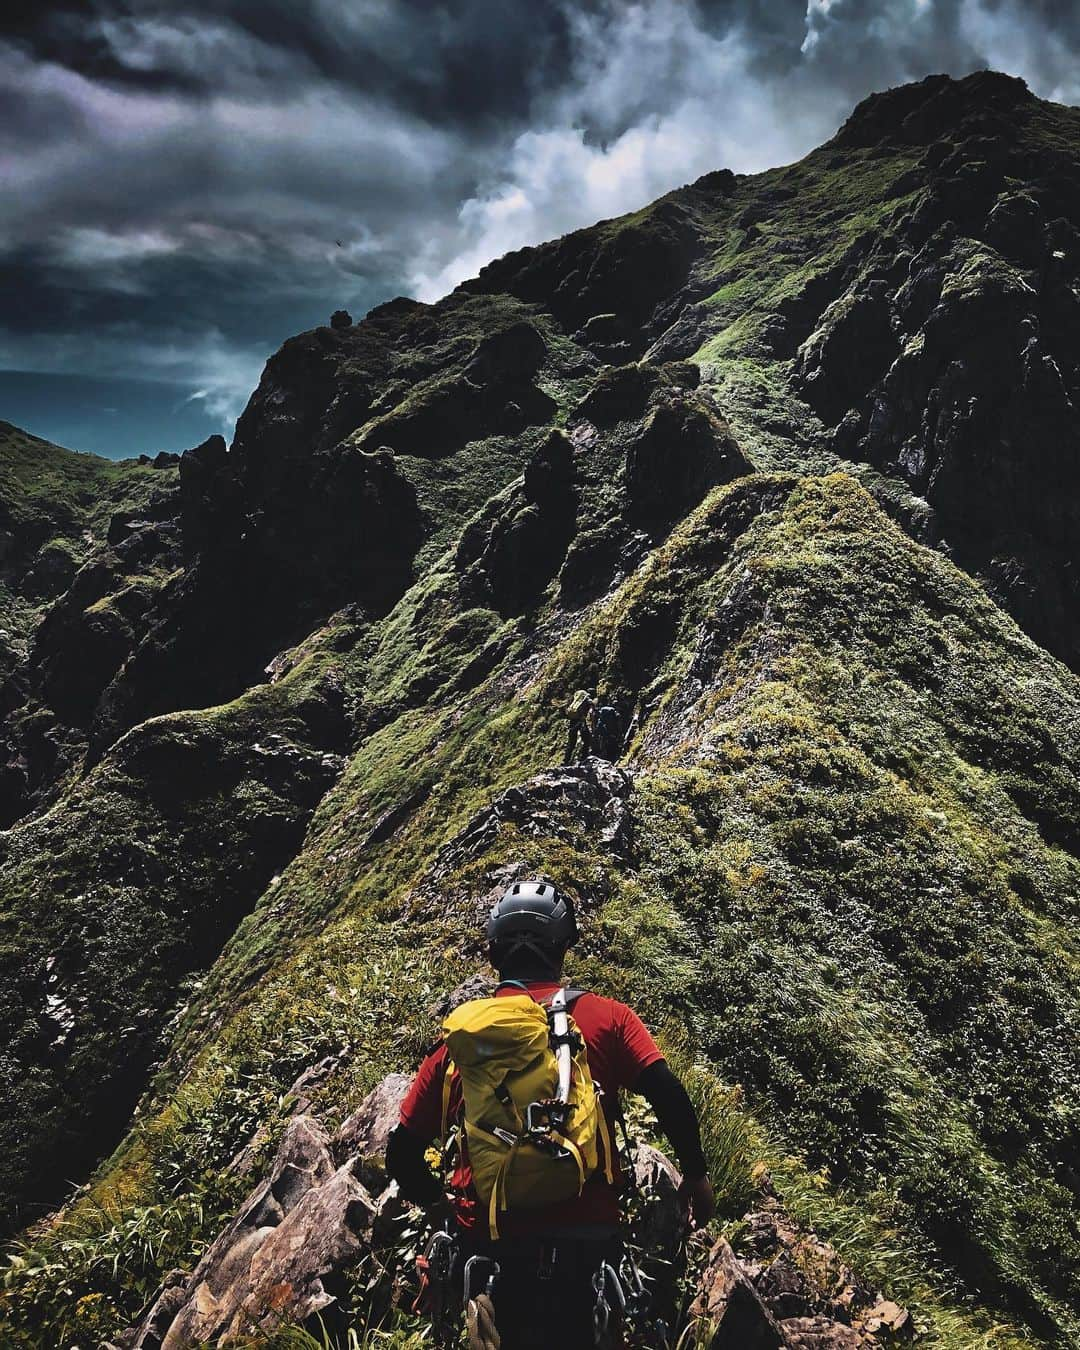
<point>580,276</point>
<point>251,583</point>
<point>155,1325</point>
<point>365,1133</point>
<point>607,336</point>
<point>796,1272</point>
<point>732,1315</point>
<point>619,394</point>
<point>850,351</point>
<point>512,550</point>
<point>516,353</point>
<point>784,1288</point>
<point>819,1333</point>
<point>663,1225</point>
<point>888,1321</point>
<point>682,451</point>
<point>199,471</point>
<point>592,796</point>
<point>916,113</point>
<point>493,393</point>
<point>1017,227</point>
<point>298,1102</point>
<point>297,1230</point>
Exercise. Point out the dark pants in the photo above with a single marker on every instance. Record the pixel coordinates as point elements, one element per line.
<point>577,733</point>
<point>543,1295</point>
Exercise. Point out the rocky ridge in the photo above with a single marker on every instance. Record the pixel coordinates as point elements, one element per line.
<point>837,859</point>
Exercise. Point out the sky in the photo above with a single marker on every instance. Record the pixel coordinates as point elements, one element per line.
<point>185,185</point>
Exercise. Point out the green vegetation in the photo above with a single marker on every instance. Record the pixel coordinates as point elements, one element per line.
<point>837,895</point>
<point>55,509</point>
<point>847,889</point>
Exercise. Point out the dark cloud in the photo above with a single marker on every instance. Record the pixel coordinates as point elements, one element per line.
<point>186,184</point>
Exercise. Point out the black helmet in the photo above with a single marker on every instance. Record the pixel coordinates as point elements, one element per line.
<point>532,914</point>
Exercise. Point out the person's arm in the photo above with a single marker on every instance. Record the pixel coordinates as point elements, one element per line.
<point>407,1165</point>
<point>419,1123</point>
<point>677,1118</point>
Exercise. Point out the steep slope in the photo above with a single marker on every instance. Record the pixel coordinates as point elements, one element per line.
<point>84,542</point>
<point>839,860</point>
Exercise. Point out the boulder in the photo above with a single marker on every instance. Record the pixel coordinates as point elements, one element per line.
<point>365,1133</point>
<point>819,1333</point>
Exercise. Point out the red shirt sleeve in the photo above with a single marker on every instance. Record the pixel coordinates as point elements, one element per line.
<point>634,1047</point>
<point>421,1111</point>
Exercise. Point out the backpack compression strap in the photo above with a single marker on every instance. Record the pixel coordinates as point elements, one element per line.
<point>498,1201</point>
<point>607,1141</point>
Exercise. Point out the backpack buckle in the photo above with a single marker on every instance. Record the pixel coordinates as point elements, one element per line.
<point>545,1119</point>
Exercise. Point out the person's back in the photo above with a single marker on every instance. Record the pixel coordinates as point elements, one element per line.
<point>609,731</point>
<point>549,1256</point>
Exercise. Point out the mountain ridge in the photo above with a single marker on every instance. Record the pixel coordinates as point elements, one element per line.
<point>296,752</point>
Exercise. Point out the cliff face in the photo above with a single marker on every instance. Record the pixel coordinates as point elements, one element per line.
<point>786,466</point>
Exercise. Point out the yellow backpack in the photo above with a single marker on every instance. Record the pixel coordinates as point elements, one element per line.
<point>526,1147</point>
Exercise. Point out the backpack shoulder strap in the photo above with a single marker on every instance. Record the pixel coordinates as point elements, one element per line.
<point>571,995</point>
<point>448,1082</point>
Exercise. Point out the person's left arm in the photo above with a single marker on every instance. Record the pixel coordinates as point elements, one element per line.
<point>647,1072</point>
<point>420,1124</point>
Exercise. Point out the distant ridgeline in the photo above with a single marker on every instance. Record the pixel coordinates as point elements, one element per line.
<point>786,463</point>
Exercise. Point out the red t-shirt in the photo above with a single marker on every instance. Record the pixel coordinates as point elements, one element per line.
<point>618,1047</point>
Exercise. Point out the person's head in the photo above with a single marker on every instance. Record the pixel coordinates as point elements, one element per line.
<point>529,931</point>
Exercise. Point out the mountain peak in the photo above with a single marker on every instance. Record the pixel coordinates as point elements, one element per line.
<point>916,114</point>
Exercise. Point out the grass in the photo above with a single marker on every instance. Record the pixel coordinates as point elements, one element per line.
<point>781,837</point>
<point>850,903</point>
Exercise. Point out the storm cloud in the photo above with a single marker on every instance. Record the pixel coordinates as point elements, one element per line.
<point>187,184</point>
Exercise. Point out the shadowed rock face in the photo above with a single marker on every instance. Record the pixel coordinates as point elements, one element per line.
<point>950,360</point>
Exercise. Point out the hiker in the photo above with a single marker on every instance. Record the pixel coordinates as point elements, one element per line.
<point>579,732</point>
<point>608,723</point>
<point>542,1221</point>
